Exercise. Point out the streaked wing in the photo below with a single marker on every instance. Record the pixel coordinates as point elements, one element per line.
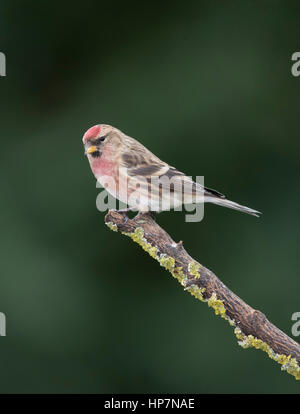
<point>140,161</point>
<point>151,175</point>
<point>149,170</point>
<point>162,170</point>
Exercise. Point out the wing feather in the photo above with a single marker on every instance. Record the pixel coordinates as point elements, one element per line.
<point>140,162</point>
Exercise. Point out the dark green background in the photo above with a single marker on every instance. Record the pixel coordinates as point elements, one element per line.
<point>207,86</point>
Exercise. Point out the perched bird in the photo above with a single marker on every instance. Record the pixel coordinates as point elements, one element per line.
<point>132,174</point>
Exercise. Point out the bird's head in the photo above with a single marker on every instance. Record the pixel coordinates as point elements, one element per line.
<point>96,139</point>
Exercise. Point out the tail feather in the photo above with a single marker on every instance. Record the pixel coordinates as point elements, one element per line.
<point>231,204</point>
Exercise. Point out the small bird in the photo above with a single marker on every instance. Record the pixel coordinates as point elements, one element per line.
<point>135,176</point>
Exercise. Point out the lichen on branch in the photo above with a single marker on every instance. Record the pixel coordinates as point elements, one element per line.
<point>252,328</point>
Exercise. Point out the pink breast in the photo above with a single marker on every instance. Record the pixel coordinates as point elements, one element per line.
<point>105,165</point>
<point>102,166</point>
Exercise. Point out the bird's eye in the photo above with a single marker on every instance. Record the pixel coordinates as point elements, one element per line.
<point>99,140</point>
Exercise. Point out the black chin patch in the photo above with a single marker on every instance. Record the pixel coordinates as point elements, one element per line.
<point>96,154</point>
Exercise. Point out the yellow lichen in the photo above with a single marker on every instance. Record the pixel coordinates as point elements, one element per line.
<point>238,333</point>
<point>138,237</point>
<point>217,305</point>
<point>193,269</point>
<point>167,262</point>
<point>288,363</point>
<point>112,226</point>
<point>197,292</point>
<point>179,275</point>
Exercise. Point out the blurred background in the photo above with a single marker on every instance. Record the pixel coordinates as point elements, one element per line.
<point>207,86</point>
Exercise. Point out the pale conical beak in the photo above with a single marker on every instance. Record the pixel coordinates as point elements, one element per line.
<point>92,149</point>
